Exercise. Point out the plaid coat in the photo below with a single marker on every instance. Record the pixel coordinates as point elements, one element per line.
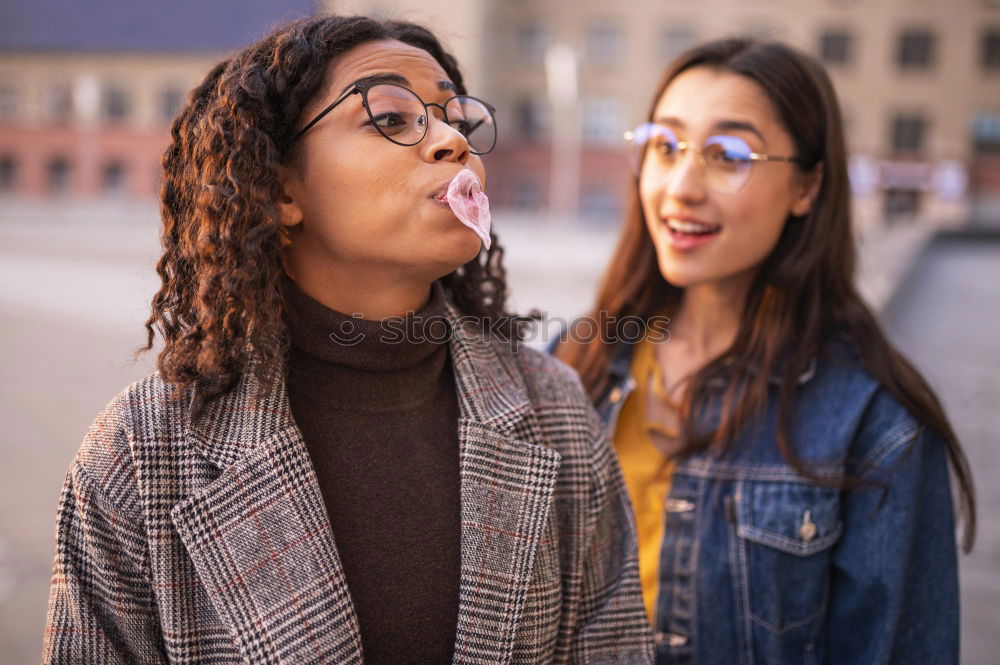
<point>206,540</point>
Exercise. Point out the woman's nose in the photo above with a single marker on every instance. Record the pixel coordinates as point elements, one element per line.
<point>686,181</point>
<point>444,142</point>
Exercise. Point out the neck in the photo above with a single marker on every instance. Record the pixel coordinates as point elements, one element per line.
<point>708,317</point>
<point>374,294</point>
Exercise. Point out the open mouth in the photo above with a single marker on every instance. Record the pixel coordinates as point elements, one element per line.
<point>685,235</point>
<point>684,227</point>
<point>441,196</point>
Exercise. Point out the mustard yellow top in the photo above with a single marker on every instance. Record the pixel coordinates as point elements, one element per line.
<point>647,471</point>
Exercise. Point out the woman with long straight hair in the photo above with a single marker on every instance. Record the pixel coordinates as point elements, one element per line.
<point>789,469</point>
<point>338,460</point>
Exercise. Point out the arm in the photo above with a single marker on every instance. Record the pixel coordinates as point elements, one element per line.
<point>612,625</point>
<point>101,605</point>
<point>895,579</point>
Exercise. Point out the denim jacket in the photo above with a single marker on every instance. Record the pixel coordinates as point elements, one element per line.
<point>759,565</point>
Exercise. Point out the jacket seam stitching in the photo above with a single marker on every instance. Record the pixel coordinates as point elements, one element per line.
<point>893,442</point>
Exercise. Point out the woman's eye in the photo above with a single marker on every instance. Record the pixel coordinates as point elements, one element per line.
<point>726,157</point>
<point>665,148</point>
<point>389,120</point>
<point>464,127</point>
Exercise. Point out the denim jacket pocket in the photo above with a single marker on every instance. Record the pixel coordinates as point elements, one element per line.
<point>787,530</point>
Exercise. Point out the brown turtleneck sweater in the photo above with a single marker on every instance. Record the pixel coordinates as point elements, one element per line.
<point>380,420</point>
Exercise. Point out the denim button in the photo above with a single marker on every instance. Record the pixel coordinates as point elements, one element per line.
<point>679,506</point>
<point>616,395</point>
<point>807,530</point>
<point>670,639</point>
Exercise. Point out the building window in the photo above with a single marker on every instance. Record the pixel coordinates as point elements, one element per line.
<point>901,203</point>
<point>170,103</point>
<point>532,42</point>
<point>674,40</point>
<point>113,178</point>
<point>603,121</point>
<point>532,118</point>
<point>986,132</point>
<point>990,49</point>
<point>598,201</point>
<point>59,102</point>
<point>58,175</point>
<point>916,49</point>
<point>835,47</point>
<point>527,195</point>
<point>8,173</point>
<point>8,102</point>
<point>604,44</point>
<point>908,133</point>
<point>115,104</point>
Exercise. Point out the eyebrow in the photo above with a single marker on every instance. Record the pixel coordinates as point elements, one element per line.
<point>398,79</point>
<point>720,126</point>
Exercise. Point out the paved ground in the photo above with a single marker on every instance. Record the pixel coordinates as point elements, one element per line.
<point>73,296</point>
<point>947,319</point>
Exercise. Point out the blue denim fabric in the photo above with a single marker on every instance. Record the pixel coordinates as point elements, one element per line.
<point>759,565</point>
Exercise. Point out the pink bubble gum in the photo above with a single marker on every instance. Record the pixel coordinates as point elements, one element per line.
<point>466,199</point>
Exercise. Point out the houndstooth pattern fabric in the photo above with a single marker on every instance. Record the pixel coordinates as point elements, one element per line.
<point>206,540</point>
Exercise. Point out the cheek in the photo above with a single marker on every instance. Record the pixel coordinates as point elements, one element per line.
<point>756,220</point>
<point>352,200</point>
<point>650,197</point>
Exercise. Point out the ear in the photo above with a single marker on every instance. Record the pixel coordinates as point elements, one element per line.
<point>807,191</point>
<point>289,210</point>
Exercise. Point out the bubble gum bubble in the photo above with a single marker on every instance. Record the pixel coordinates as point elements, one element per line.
<point>466,199</point>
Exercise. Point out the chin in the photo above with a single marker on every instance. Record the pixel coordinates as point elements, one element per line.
<point>684,277</point>
<point>452,255</point>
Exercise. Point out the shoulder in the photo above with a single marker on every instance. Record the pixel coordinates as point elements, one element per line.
<point>888,431</point>
<point>106,460</point>
<point>550,382</point>
<point>884,428</point>
<point>564,414</point>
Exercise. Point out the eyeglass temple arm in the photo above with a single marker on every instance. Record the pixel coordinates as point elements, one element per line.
<point>759,157</point>
<point>322,114</point>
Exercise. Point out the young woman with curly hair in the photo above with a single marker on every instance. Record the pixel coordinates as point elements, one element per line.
<point>788,467</point>
<point>335,462</point>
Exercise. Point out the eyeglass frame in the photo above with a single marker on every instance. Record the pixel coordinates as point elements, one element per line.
<point>363,87</point>
<point>684,146</point>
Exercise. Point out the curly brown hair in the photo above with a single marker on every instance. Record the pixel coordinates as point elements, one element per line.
<point>219,308</point>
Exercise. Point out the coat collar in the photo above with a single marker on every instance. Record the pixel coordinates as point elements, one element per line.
<point>261,541</point>
<point>491,393</point>
<point>621,367</point>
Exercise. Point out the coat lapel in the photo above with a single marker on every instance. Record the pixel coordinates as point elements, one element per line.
<point>260,538</point>
<point>507,488</point>
<point>262,545</point>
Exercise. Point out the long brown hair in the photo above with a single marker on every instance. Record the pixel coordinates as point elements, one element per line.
<point>219,307</point>
<point>803,294</point>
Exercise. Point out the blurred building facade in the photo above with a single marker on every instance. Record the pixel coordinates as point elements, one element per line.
<point>88,90</point>
<point>86,113</point>
<point>919,83</point>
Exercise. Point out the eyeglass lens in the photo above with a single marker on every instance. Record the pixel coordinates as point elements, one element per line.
<point>401,117</point>
<point>725,160</point>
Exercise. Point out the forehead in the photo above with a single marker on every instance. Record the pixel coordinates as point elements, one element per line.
<point>702,96</point>
<point>386,56</point>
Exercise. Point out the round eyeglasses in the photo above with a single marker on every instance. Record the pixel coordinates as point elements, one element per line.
<point>402,117</point>
<point>725,160</point>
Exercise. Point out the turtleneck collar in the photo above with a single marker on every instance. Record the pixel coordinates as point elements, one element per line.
<point>348,364</point>
<point>351,341</point>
